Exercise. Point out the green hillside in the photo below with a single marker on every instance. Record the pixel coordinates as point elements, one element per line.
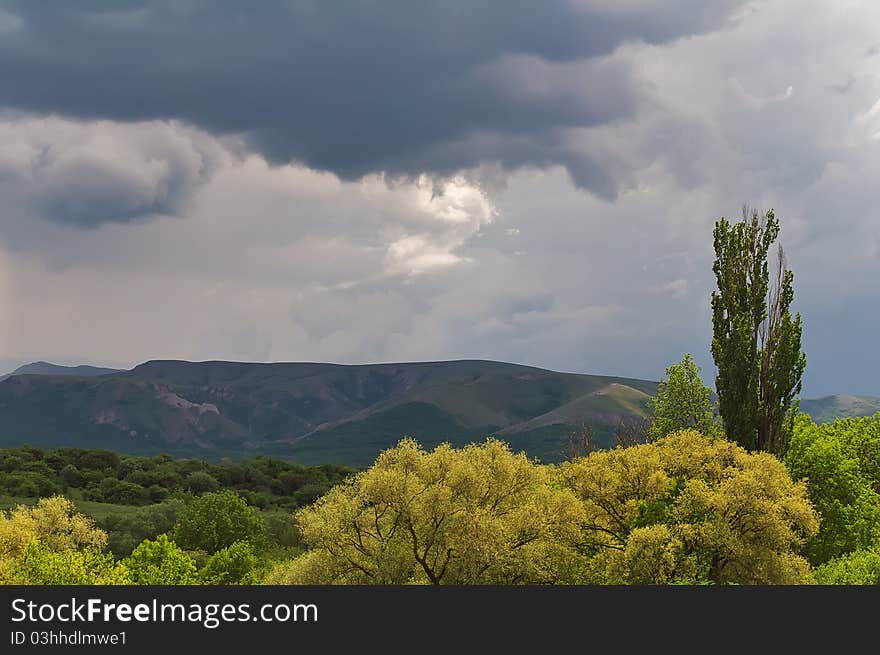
<point>312,412</point>
<point>318,413</point>
<point>831,408</point>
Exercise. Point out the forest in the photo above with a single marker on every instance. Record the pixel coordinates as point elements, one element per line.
<point>685,508</point>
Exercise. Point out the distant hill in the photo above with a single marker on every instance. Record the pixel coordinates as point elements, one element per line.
<point>45,368</point>
<point>324,413</point>
<point>830,408</point>
<point>312,412</point>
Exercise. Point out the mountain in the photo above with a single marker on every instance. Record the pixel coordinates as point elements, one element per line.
<point>313,412</point>
<point>316,413</point>
<point>45,368</point>
<point>830,408</point>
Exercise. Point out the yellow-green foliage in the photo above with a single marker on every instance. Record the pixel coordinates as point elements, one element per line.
<point>40,565</point>
<point>50,541</point>
<point>685,509</point>
<point>53,521</point>
<point>692,509</point>
<point>476,515</point>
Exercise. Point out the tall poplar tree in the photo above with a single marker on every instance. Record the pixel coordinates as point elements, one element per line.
<point>756,342</point>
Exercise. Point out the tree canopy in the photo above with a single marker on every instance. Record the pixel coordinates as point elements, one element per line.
<point>840,462</point>
<point>161,562</point>
<point>475,515</point>
<point>861,567</point>
<point>685,509</point>
<point>691,509</point>
<point>217,520</point>
<point>682,402</point>
<point>51,543</point>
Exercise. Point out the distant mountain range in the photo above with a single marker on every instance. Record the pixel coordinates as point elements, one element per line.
<point>831,408</point>
<point>45,368</point>
<point>315,413</point>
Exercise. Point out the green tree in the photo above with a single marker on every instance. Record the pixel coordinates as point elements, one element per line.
<point>861,567</point>
<point>232,565</point>
<point>682,402</point>
<point>839,462</point>
<point>27,483</point>
<point>70,476</point>
<point>756,342</point>
<point>125,530</point>
<point>476,515</point>
<point>161,562</point>
<point>199,482</point>
<point>690,509</point>
<point>217,520</point>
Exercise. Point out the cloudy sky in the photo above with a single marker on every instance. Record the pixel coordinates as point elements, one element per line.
<point>394,180</point>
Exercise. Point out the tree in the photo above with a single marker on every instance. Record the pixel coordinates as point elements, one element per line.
<point>31,537</point>
<point>840,462</point>
<point>161,562</point>
<point>232,565</point>
<point>682,402</point>
<point>690,509</point>
<point>40,565</point>
<point>128,529</point>
<point>53,522</point>
<point>217,520</point>
<point>476,515</point>
<point>861,567</point>
<point>199,482</point>
<point>756,343</point>
<point>630,431</point>
<point>70,476</point>
<point>581,442</point>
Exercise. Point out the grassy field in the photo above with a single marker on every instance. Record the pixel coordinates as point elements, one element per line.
<point>90,508</point>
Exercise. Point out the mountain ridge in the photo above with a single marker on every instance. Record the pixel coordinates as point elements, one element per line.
<point>308,410</point>
<point>47,368</point>
<point>319,412</point>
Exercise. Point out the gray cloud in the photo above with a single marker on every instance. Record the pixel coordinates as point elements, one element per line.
<point>87,174</point>
<point>351,87</point>
<point>285,262</point>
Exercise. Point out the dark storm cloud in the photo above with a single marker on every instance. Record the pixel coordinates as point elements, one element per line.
<point>350,87</point>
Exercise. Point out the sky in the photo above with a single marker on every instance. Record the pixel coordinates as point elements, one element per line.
<point>384,181</point>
